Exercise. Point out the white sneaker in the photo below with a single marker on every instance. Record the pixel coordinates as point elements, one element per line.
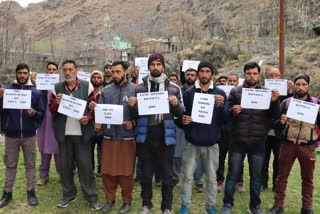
<point>167,211</point>
<point>145,210</point>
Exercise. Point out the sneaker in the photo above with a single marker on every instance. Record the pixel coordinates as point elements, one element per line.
<point>220,186</point>
<point>32,198</point>
<point>94,205</point>
<point>6,198</point>
<point>107,207</point>
<point>276,210</point>
<point>157,183</point>
<point>211,210</point>
<point>240,187</point>
<point>125,208</point>
<point>145,210</point>
<point>256,210</point>
<point>167,211</point>
<point>42,181</point>
<point>199,188</point>
<point>184,210</point>
<point>64,203</point>
<point>226,209</point>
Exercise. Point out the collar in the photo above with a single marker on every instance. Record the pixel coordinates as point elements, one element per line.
<point>197,85</point>
<point>29,83</point>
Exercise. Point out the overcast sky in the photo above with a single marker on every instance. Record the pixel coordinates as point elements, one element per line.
<point>24,3</point>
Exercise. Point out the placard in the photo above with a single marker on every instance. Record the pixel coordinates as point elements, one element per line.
<point>226,88</point>
<point>153,103</point>
<point>279,84</point>
<point>202,108</point>
<point>108,114</point>
<point>190,64</point>
<point>47,81</point>
<point>255,98</point>
<point>71,106</point>
<point>82,75</point>
<point>241,81</point>
<point>303,111</point>
<point>142,62</point>
<point>16,99</point>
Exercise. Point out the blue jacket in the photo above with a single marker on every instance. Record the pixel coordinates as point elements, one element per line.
<point>15,122</point>
<point>204,134</point>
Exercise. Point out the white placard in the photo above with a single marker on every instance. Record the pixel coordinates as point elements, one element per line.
<point>17,99</point>
<point>108,114</point>
<point>202,108</point>
<point>241,81</point>
<point>303,111</point>
<point>82,75</point>
<point>47,81</point>
<point>279,84</point>
<point>190,64</point>
<point>226,88</point>
<point>71,106</point>
<point>255,98</point>
<point>142,62</point>
<point>153,103</point>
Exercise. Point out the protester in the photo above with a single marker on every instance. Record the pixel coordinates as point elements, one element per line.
<point>107,75</point>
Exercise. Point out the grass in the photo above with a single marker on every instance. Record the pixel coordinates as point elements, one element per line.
<point>50,194</point>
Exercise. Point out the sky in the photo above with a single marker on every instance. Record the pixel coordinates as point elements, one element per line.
<point>24,3</point>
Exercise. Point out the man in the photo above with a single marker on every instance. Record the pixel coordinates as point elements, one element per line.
<point>202,139</point>
<point>47,142</point>
<point>74,138</point>
<point>174,78</point>
<point>20,127</point>
<point>156,135</point>
<point>96,81</point>
<point>298,142</point>
<point>249,132</point>
<point>233,79</point>
<point>221,80</point>
<point>118,147</point>
<point>107,75</point>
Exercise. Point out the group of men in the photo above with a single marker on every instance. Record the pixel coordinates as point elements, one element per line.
<point>173,140</point>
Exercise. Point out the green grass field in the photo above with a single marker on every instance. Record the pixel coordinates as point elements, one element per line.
<point>50,194</point>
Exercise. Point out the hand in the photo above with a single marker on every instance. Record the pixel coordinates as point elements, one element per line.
<point>31,112</point>
<point>275,95</point>
<point>132,101</point>
<point>219,100</point>
<point>92,105</point>
<point>186,120</point>
<point>98,129</point>
<point>84,120</point>
<point>173,100</point>
<point>1,92</point>
<point>33,77</point>
<point>58,98</point>
<point>283,119</point>
<point>128,124</point>
<point>236,109</point>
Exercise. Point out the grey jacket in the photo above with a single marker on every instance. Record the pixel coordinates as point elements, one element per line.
<point>118,95</point>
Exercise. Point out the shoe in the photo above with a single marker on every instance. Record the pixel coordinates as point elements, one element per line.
<point>64,203</point>
<point>276,210</point>
<point>184,210</point>
<point>226,209</point>
<point>6,198</point>
<point>32,198</point>
<point>145,210</point>
<point>42,181</point>
<point>199,188</point>
<point>94,205</point>
<point>240,187</point>
<point>211,210</point>
<point>304,211</point>
<point>220,186</point>
<point>157,183</point>
<point>107,207</point>
<point>167,211</point>
<point>256,210</point>
<point>125,208</point>
<point>136,181</point>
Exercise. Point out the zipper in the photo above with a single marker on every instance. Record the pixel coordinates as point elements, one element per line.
<point>299,132</point>
<point>119,100</point>
<point>21,125</point>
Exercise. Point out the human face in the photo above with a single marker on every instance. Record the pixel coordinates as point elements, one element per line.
<point>118,74</point>
<point>204,75</point>
<point>301,88</point>
<point>107,71</point>
<point>252,76</point>
<point>233,80</point>
<point>52,69</point>
<point>221,81</point>
<point>190,77</point>
<point>22,76</point>
<point>173,79</point>
<point>96,80</point>
<point>274,73</point>
<point>70,72</point>
<point>156,68</point>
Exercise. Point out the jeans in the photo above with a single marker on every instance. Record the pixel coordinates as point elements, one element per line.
<point>209,157</point>
<point>237,154</point>
<point>97,140</point>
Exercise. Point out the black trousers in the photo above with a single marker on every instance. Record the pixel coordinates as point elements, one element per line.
<point>72,152</point>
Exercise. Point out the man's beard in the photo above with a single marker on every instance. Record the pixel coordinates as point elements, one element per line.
<point>190,82</point>
<point>96,85</point>
<point>301,95</point>
<point>118,82</point>
<point>156,73</point>
<point>204,80</point>
<point>71,79</point>
<point>22,81</point>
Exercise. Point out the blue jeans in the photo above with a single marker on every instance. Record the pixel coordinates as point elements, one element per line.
<point>237,154</point>
<point>209,157</point>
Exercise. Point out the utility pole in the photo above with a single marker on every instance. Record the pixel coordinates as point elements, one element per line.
<point>281,38</point>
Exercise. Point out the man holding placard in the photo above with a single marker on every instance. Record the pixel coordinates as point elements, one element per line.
<point>299,119</point>
<point>22,113</point>
<point>250,111</point>
<point>206,109</point>
<point>118,146</point>
<point>159,102</point>
<point>73,131</point>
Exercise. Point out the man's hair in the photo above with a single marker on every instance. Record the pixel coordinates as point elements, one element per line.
<point>22,66</point>
<point>222,77</point>
<point>233,74</point>
<point>191,70</point>
<point>52,63</point>
<point>268,71</point>
<point>125,65</point>
<point>69,61</point>
<point>173,75</point>
<point>251,65</point>
<point>302,76</point>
